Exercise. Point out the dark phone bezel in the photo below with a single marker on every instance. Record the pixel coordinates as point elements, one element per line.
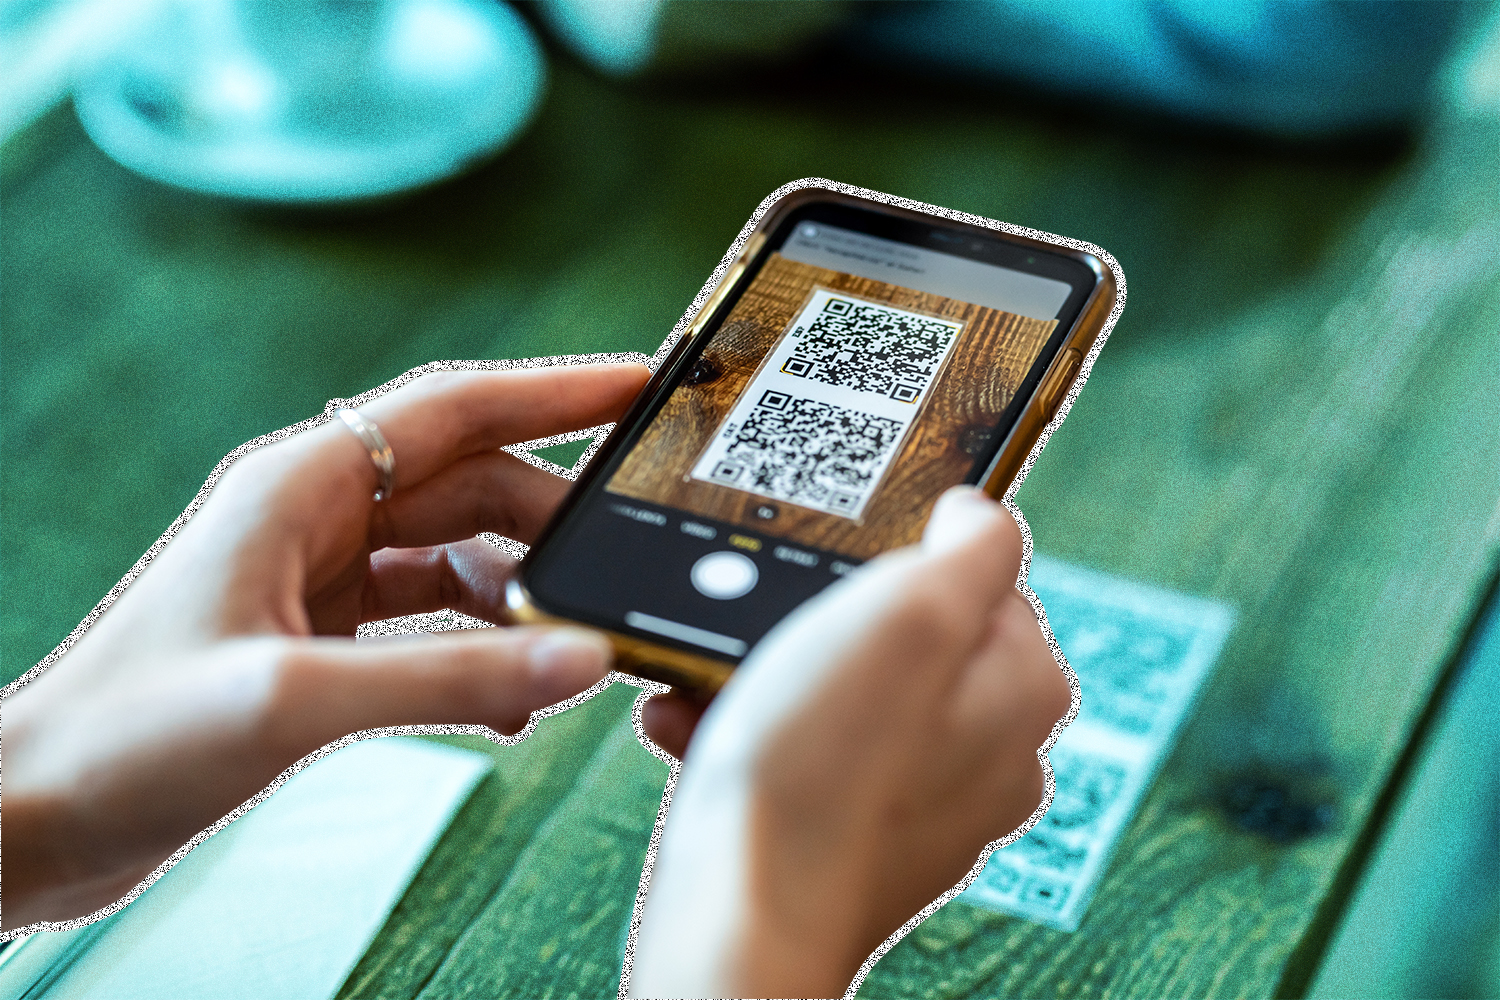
<point>945,236</point>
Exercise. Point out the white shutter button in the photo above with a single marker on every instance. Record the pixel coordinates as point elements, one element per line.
<point>724,575</point>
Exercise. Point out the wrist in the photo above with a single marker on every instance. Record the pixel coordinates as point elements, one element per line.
<point>776,957</point>
<point>42,866</point>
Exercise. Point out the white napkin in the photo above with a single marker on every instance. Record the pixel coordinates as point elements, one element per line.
<point>284,901</point>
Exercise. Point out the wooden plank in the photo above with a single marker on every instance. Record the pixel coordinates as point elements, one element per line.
<point>478,852</point>
<point>198,324</point>
<point>557,926</point>
<point>1348,511</point>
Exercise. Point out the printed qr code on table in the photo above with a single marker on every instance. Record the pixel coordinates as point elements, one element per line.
<point>869,348</point>
<point>806,452</point>
<point>1141,655</point>
<point>1127,660</point>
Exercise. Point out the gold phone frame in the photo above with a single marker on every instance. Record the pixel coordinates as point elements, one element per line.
<point>702,674</point>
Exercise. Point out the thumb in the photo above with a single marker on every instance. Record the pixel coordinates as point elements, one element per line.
<point>961,514</point>
<point>326,688</point>
<point>974,534</point>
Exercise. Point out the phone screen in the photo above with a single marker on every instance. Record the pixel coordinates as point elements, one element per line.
<point>868,363</point>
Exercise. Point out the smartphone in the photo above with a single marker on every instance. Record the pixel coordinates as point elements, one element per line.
<point>856,360</point>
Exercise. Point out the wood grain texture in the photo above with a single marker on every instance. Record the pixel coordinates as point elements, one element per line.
<point>993,354</point>
<point>477,853</point>
<point>1348,511</point>
<point>557,926</point>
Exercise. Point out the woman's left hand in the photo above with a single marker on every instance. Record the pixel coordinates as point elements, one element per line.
<point>229,658</point>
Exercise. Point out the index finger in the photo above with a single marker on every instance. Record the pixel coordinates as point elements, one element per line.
<point>437,419</point>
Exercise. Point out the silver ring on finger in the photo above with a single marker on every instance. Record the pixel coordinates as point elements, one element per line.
<point>375,443</point>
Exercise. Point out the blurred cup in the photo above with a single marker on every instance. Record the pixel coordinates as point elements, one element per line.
<point>324,100</point>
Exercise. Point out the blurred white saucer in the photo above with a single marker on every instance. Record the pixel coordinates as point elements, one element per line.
<point>319,101</point>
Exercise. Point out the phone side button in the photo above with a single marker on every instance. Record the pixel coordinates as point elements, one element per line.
<point>1057,389</point>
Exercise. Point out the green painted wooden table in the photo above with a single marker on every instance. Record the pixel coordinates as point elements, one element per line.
<point>1297,416</point>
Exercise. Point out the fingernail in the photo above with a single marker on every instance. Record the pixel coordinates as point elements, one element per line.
<point>960,514</point>
<point>571,657</point>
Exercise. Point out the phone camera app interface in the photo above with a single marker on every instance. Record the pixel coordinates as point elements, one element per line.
<point>846,388</point>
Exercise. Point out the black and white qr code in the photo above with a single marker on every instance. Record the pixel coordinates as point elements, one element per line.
<point>806,452</point>
<point>870,348</point>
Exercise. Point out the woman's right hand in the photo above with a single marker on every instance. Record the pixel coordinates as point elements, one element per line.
<point>854,769</point>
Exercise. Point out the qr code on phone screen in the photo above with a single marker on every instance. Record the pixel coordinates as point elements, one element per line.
<point>825,416</point>
<point>806,452</point>
<point>869,348</point>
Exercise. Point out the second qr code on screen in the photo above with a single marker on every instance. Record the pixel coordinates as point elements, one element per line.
<point>807,452</point>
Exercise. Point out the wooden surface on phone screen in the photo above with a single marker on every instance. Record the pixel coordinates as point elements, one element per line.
<point>993,354</point>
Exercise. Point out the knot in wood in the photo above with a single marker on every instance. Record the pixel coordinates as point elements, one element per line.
<point>975,438</point>
<point>1274,811</point>
<point>704,371</point>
